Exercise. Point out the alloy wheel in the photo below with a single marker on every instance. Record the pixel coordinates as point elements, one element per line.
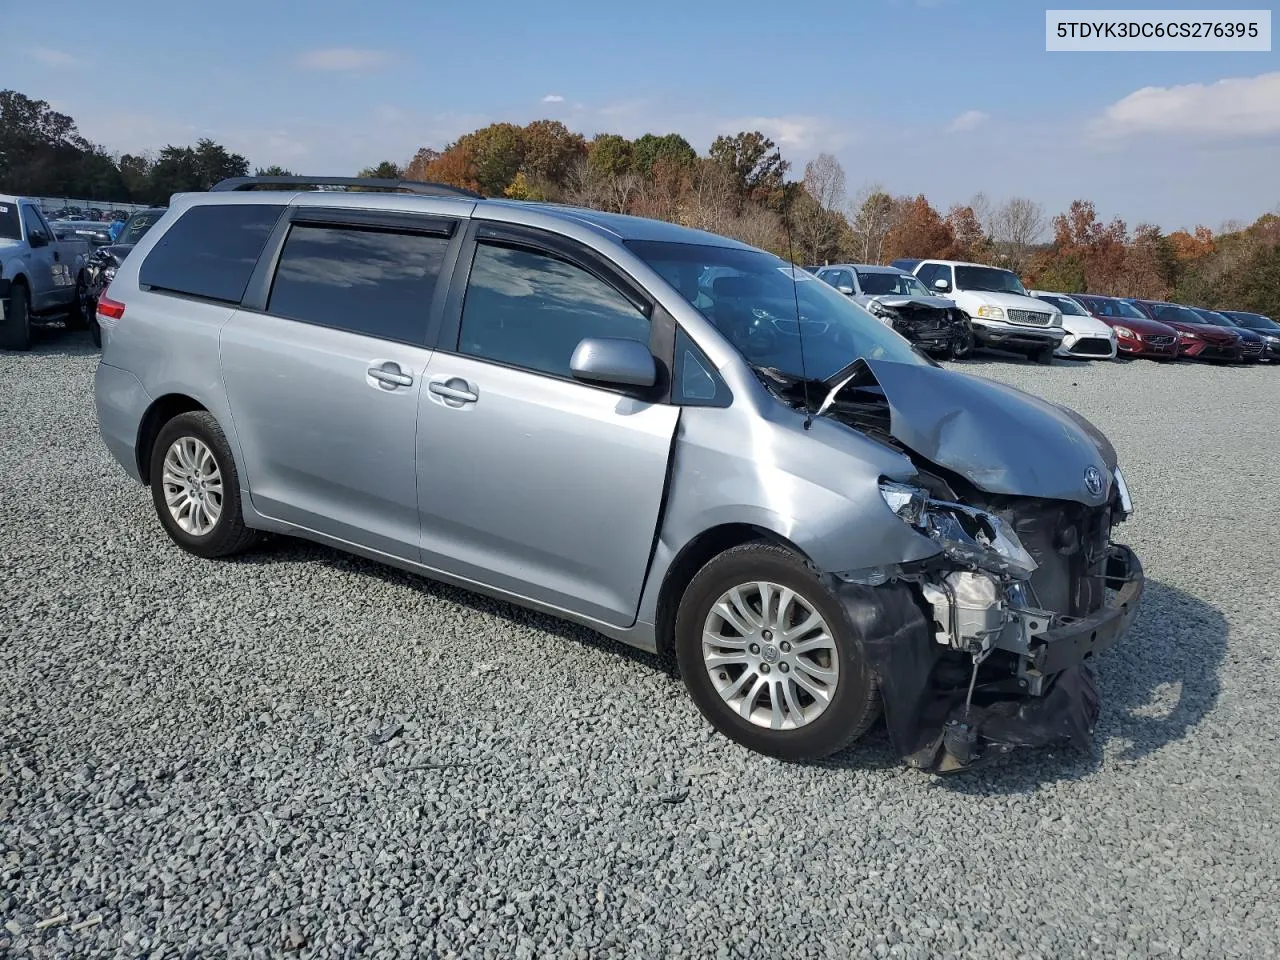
<point>192,485</point>
<point>770,655</point>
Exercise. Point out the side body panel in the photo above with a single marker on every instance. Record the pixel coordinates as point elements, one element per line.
<point>542,487</point>
<point>322,443</point>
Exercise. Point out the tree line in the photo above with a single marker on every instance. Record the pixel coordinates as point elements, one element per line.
<point>742,188</point>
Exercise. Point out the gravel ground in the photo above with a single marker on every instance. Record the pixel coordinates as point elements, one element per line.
<point>188,764</point>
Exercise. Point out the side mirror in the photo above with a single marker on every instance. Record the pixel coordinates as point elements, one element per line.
<point>941,284</point>
<point>846,290</point>
<point>613,362</point>
<point>37,238</point>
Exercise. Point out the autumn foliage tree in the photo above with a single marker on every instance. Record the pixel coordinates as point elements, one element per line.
<point>919,231</point>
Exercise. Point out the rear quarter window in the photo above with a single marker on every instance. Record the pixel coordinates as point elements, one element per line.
<point>211,251</point>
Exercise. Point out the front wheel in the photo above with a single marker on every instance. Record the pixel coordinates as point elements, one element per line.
<point>15,328</point>
<point>768,656</point>
<point>962,345</point>
<point>196,488</point>
<point>1043,355</point>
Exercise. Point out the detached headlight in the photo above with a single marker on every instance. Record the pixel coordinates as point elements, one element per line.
<point>966,534</point>
<point>991,313</point>
<point>1125,332</point>
<point>1122,488</point>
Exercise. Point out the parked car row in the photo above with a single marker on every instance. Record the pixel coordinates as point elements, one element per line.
<point>56,270</point>
<point>75,213</point>
<point>948,307</point>
<point>41,274</point>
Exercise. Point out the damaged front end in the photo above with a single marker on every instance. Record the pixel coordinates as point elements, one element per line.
<point>932,324</point>
<point>988,645</point>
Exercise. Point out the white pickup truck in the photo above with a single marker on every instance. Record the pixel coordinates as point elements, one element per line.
<point>41,277</point>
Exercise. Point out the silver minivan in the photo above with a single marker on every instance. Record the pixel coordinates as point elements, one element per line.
<point>676,439</point>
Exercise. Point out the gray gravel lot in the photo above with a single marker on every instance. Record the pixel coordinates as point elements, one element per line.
<point>186,766</point>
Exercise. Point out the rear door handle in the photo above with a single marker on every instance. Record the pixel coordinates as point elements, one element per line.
<point>455,389</point>
<point>389,375</point>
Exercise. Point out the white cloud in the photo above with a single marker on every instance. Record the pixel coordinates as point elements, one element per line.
<point>341,58</point>
<point>553,98</point>
<point>52,58</point>
<point>969,120</point>
<point>1236,106</point>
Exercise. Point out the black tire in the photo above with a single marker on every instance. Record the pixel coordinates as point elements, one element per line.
<point>95,332</point>
<point>229,534</point>
<point>78,315</point>
<point>853,707</point>
<point>15,328</point>
<point>1042,356</point>
<point>962,347</point>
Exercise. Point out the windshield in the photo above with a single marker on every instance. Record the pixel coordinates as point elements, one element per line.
<point>1255,321</point>
<point>10,225</point>
<point>1171,311</point>
<point>991,279</point>
<point>137,225</point>
<point>750,297</point>
<point>1208,316</point>
<point>1126,309</point>
<point>879,282</point>
<point>1066,305</point>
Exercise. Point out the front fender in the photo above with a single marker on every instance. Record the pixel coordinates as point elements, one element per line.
<point>815,488</point>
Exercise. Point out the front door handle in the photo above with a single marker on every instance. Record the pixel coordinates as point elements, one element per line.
<point>455,391</point>
<point>389,375</point>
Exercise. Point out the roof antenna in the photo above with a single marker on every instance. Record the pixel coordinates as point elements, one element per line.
<point>788,195</point>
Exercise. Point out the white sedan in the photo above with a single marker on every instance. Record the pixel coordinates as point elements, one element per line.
<point>1087,338</point>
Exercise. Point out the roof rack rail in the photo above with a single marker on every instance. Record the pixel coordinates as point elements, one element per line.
<point>370,183</point>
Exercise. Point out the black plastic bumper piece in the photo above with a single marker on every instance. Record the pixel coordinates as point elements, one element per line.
<point>1079,640</point>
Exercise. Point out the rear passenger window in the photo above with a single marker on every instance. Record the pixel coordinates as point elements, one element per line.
<point>211,250</point>
<point>531,310</point>
<point>373,282</point>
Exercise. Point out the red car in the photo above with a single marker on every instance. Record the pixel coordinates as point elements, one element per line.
<point>1250,342</point>
<point>1137,335</point>
<point>1197,339</point>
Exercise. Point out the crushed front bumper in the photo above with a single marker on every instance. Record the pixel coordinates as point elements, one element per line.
<point>1077,640</point>
<point>925,687</point>
<point>1067,707</point>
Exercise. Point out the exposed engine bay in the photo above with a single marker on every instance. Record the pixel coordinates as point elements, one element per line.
<point>989,644</point>
<point>935,329</point>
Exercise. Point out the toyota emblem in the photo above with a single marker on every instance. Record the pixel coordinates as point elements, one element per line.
<point>1093,481</point>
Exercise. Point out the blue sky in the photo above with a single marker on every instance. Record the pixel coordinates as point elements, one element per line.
<point>944,97</point>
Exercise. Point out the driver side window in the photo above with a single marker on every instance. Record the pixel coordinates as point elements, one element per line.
<point>34,223</point>
<point>526,308</point>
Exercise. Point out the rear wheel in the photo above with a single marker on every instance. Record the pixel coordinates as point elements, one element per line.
<point>15,328</point>
<point>196,488</point>
<point>769,657</point>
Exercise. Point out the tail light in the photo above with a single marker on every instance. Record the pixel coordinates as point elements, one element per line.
<point>109,309</point>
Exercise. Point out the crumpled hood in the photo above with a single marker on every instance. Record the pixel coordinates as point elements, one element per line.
<point>902,300</point>
<point>1000,439</point>
<point>112,252</point>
